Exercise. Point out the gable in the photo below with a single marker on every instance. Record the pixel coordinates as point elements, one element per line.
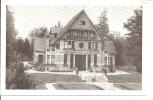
<point>74,24</point>
<point>82,23</point>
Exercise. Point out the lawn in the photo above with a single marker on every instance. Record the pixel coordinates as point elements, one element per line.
<point>131,81</point>
<point>73,82</point>
<point>126,78</point>
<point>41,78</point>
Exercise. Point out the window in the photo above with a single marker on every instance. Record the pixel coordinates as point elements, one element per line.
<point>92,45</point>
<point>111,63</point>
<point>108,61</point>
<point>69,44</point>
<point>81,45</point>
<point>81,34</point>
<point>95,60</point>
<point>48,59</point>
<point>75,34</point>
<point>91,35</point>
<point>73,44</point>
<point>65,59</point>
<point>53,59</point>
<point>85,34</point>
<point>82,23</point>
<point>96,47</point>
<point>68,35</point>
<point>89,45</point>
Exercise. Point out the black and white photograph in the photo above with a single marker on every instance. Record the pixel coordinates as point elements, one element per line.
<point>73,47</point>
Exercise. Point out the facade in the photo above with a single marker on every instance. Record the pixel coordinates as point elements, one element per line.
<point>77,45</point>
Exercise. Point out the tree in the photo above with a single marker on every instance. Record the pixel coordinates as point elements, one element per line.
<point>20,46</point>
<point>102,26</point>
<point>15,76</point>
<point>10,37</point>
<point>27,48</point>
<point>134,36</point>
<point>39,32</point>
<point>120,44</point>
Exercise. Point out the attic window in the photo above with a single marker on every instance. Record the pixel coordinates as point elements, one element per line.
<point>82,22</point>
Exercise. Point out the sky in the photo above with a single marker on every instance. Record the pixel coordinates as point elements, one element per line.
<point>28,17</point>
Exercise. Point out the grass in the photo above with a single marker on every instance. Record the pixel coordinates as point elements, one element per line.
<point>76,87</point>
<point>125,82</point>
<point>134,77</point>
<point>131,81</point>
<point>128,86</point>
<point>41,78</point>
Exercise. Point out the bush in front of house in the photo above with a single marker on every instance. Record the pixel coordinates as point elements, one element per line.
<point>20,80</point>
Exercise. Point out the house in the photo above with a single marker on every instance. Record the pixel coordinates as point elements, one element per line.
<point>77,45</point>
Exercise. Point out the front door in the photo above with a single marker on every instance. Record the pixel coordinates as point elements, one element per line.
<point>80,62</point>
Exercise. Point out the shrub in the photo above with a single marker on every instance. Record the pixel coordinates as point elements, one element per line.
<point>20,79</point>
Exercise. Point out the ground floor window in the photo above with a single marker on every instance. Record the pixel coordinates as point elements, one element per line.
<point>105,60</point>
<point>65,59</point>
<point>48,59</point>
<point>108,61</point>
<point>95,60</point>
<point>53,59</point>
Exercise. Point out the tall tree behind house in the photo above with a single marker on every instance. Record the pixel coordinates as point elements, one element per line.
<point>103,26</point>
<point>134,36</point>
<point>39,32</point>
<point>27,48</point>
<point>10,37</point>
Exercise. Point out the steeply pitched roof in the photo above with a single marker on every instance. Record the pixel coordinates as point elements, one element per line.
<point>71,22</point>
<point>40,44</point>
<point>56,29</point>
<point>109,47</point>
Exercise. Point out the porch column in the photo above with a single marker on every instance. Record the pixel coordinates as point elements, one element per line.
<point>86,62</point>
<point>68,59</point>
<point>46,58</point>
<point>92,60</point>
<point>50,59</point>
<point>74,61</point>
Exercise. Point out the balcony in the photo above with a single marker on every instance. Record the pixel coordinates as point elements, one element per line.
<point>68,48</point>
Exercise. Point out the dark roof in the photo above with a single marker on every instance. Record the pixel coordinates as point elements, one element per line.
<point>40,44</point>
<point>71,22</point>
<point>56,29</point>
<point>109,47</point>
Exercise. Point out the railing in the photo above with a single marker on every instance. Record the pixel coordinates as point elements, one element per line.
<point>68,48</point>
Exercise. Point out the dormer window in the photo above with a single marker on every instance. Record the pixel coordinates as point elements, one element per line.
<point>82,22</point>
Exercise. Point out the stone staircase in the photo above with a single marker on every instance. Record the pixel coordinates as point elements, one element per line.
<point>98,79</point>
<point>92,77</point>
